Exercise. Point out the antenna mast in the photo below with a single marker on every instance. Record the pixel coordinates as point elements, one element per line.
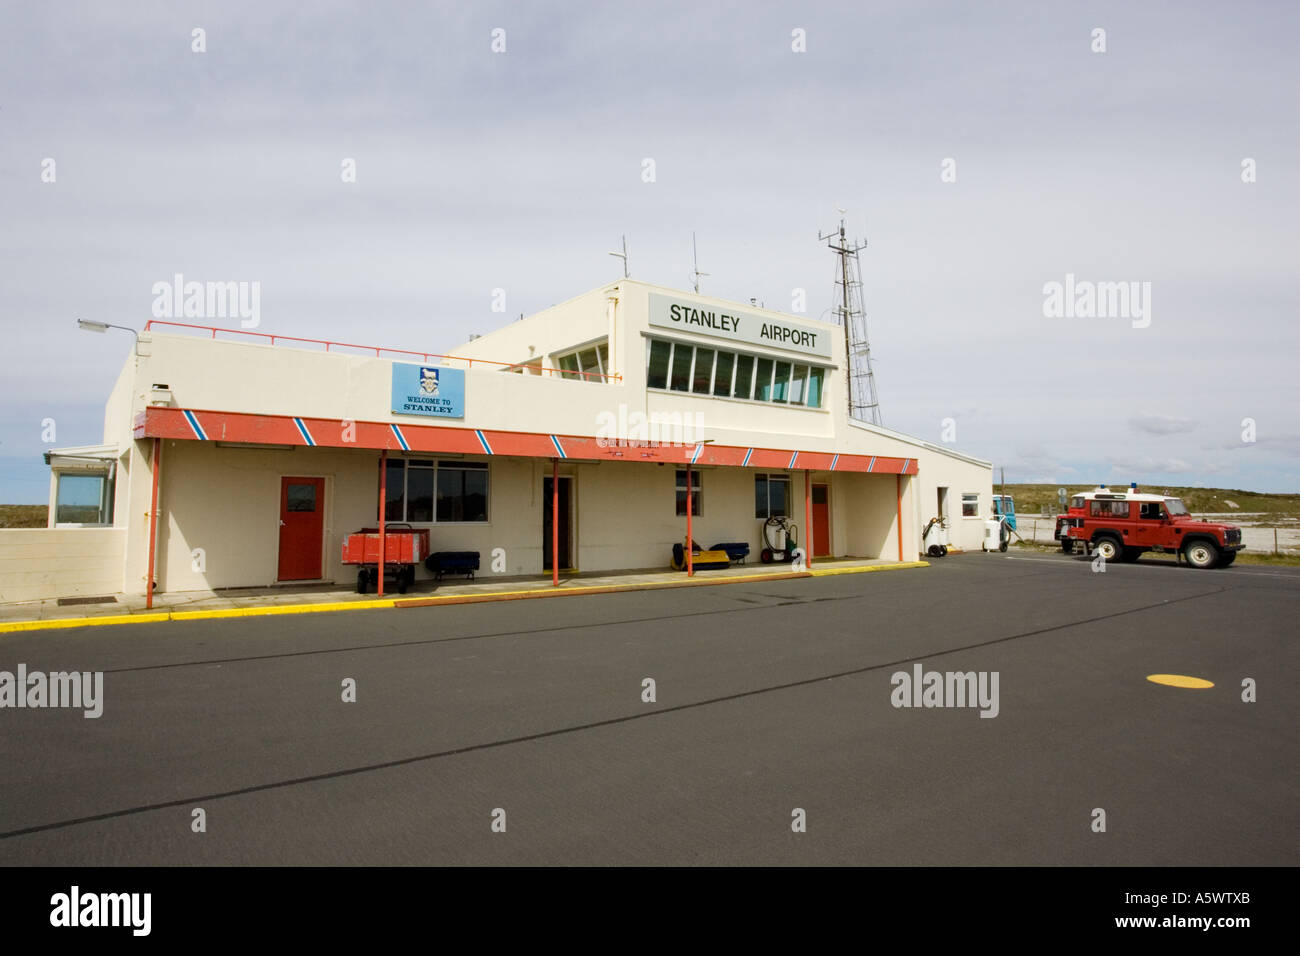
<point>696,273</point>
<point>622,255</point>
<point>863,403</point>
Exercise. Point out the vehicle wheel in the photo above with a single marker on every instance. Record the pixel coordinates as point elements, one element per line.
<point>765,555</point>
<point>1227,559</point>
<point>943,550</point>
<point>934,551</point>
<point>1201,554</point>
<point>1109,548</point>
<point>401,580</point>
<point>1067,545</point>
<point>1005,544</point>
<point>363,581</point>
<point>1129,555</point>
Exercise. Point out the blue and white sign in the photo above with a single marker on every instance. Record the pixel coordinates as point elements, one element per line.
<point>428,390</point>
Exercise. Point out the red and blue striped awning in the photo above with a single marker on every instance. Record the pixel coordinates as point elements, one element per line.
<point>203,425</point>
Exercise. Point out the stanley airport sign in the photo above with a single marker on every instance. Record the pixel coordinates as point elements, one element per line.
<point>735,326</point>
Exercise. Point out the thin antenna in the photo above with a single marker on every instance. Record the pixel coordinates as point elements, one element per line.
<point>623,255</point>
<point>863,403</point>
<point>696,271</point>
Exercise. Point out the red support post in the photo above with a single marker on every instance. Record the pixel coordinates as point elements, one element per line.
<point>807,518</point>
<point>555,522</point>
<point>899,479</point>
<point>153,521</point>
<point>690,537</point>
<point>383,506</point>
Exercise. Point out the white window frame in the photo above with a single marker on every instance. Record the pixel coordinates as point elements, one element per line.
<point>755,358</point>
<point>451,463</point>
<point>107,496</point>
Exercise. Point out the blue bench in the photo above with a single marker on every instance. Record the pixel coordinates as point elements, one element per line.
<point>452,562</point>
<point>737,551</point>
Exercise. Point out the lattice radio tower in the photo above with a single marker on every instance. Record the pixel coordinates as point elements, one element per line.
<point>863,403</point>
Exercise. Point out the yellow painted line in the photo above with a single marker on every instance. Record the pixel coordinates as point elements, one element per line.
<point>482,597</point>
<point>279,609</point>
<point>872,567</point>
<point>1180,680</point>
<point>57,623</point>
<point>156,616</point>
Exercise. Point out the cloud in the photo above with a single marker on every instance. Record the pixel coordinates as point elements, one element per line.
<point>1161,424</point>
<point>1146,465</point>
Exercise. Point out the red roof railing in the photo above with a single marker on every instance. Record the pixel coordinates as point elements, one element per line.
<point>379,349</point>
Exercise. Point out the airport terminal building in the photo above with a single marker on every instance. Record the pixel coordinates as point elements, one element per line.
<point>236,458</point>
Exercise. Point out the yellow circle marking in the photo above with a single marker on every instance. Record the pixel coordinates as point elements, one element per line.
<point>1179,680</point>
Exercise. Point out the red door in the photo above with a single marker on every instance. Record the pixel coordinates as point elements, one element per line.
<point>821,519</point>
<point>302,523</point>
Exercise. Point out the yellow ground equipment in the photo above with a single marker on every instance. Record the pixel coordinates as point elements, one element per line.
<point>701,560</point>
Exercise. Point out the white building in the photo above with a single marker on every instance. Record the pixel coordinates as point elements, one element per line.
<point>266,450</point>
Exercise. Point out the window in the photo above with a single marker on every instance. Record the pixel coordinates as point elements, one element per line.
<point>781,385</point>
<point>797,384</point>
<point>703,377</point>
<point>695,493</point>
<point>657,375</point>
<point>744,376</point>
<point>395,490</point>
<point>421,490</point>
<point>681,367</point>
<point>771,495</point>
<point>722,374</point>
<point>82,498</point>
<point>1152,511</point>
<point>815,387</point>
<point>970,505</point>
<point>763,381</point>
<point>587,365</point>
<point>1109,509</point>
<point>462,491</point>
<point>301,497</point>
<point>707,371</point>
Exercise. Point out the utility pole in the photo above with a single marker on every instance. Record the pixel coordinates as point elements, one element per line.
<point>859,379</point>
<point>622,255</point>
<point>696,273</point>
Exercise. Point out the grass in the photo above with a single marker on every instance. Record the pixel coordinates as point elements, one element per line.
<point>1031,499</point>
<point>23,516</point>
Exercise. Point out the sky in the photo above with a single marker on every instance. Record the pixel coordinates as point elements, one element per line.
<point>982,151</point>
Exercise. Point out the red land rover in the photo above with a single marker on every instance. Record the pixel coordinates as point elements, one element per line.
<point>1122,525</point>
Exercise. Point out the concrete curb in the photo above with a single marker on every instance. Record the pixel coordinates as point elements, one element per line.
<point>485,598</point>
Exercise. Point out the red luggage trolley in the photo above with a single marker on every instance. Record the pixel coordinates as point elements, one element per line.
<point>404,548</point>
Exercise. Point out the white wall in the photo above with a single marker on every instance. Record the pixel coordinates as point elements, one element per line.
<point>41,563</point>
